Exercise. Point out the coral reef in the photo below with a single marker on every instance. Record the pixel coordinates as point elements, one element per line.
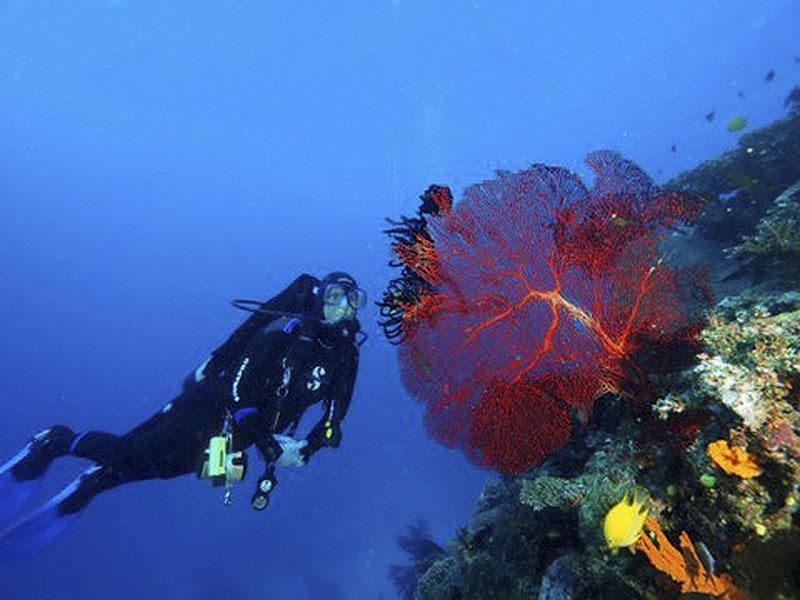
<point>538,530</point>
<point>717,451</point>
<point>792,101</point>
<point>422,552</point>
<point>538,292</point>
<point>683,565</point>
<point>545,527</point>
<point>752,366</point>
<point>741,184</point>
<point>774,248</point>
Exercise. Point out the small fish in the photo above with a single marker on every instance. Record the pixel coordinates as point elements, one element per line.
<point>797,60</point>
<point>710,116</point>
<point>736,124</point>
<point>740,94</point>
<point>770,75</point>
<point>674,148</point>
<point>707,559</point>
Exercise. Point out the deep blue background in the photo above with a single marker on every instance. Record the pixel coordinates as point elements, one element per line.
<point>158,159</point>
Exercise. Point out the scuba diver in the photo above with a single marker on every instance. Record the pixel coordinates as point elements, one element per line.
<point>297,349</point>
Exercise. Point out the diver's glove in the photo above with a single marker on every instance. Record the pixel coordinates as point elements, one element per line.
<point>292,455</point>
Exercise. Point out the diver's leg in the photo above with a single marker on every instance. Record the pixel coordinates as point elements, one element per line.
<point>98,446</point>
<point>168,444</point>
<point>43,525</point>
<point>39,454</point>
<point>158,448</point>
<point>18,476</point>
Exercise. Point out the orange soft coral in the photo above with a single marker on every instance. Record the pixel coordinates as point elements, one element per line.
<point>683,565</point>
<point>733,460</point>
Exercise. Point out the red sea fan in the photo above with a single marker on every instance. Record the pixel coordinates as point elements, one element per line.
<point>544,289</point>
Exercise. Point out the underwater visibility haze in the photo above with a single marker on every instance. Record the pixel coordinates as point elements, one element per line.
<point>581,369</point>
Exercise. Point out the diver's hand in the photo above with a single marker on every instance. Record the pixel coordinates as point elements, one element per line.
<point>292,455</point>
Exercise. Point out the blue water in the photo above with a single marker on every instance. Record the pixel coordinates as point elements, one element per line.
<point>159,159</point>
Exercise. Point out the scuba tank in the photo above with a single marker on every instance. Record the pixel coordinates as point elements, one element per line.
<point>297,298</point>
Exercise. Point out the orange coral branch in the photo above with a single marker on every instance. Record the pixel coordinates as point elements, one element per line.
<point>683,565</point>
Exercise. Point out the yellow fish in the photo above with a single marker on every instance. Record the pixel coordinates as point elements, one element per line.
<point>736,124</point>
<point>623,523</point>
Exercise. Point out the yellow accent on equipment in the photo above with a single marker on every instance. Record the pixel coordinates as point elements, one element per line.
<point>221,465</point>
<point>235,466</point>
<point>217,454</point>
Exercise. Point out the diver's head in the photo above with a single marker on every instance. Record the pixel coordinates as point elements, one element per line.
<point>341,297</point>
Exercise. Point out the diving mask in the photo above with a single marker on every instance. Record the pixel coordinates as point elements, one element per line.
<point>336,294</point>
<point>341,297</point>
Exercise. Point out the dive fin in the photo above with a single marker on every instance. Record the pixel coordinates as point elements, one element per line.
<point>19,475</point>
<point>14,493</point>
<point>29,535</point>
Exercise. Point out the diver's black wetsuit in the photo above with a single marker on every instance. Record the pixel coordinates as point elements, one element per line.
<point>265,376</point>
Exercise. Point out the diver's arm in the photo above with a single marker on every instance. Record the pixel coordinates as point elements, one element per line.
<point>327,432</point>
<point>259,429</point>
